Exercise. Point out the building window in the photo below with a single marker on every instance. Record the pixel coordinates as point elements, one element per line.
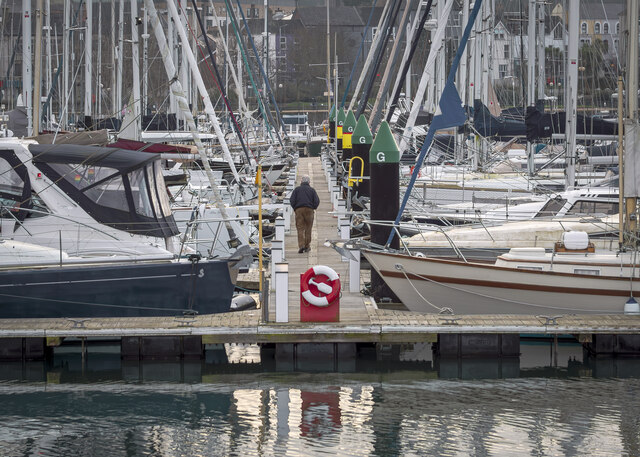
<point>506,51</point>
<point>557,32</point>
<point>596,28</point>
<point>283,42</point>
<point>605,28</point>
<point>583,28</point>
<point>502,71</point>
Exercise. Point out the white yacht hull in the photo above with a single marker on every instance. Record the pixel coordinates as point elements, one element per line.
<point>428,285</point>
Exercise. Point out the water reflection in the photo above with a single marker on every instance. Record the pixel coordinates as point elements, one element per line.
<point>547,402</point>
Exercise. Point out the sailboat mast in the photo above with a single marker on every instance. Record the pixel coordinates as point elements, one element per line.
<point>119,71</point>
<point>426,78</point>
<point>462,72</point>
<point>376,111</point>
<point>208,106</point>
<point>541,52</point>
<point>572,92</point>
<point>531,75</point>
<point>176,88</point>
<point>88,35</point>
<point>37,74</point>
<point>632,130</point>
<point>98,90</point>
<point>135,62</point>
<point>621,214</point>
<point>328,64</point>
<point>27,88</point>
<point>632,60</point>
<point>114,58</point>
<point>145,62</point>
<point>49,79</point>
<point>367,63</point>
<point>66,54</point>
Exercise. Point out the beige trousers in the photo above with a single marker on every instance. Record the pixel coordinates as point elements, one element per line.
<point>304,223</point>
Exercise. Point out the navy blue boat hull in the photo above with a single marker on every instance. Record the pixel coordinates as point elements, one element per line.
<point>132,290</point>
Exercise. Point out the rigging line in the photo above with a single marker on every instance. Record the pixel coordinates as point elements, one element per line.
<point>266,114</point>
<point>68,95</point>
<point>15,50</point>
<point>355,62</point>
<point>264,75</point>
<point>407,64</point>
<point>217,78</point>
<point>391,20</point>
<point>218,81</point>
<point>615,49</point>
<point>54,83</point>
<point>441,310</point>
<point>432,127</point>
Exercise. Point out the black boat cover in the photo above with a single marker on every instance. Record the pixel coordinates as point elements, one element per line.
<point>542,125</point>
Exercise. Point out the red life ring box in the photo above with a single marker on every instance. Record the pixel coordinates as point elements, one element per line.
<point>320,295</point>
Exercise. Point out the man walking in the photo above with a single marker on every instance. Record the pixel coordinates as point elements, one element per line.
<point>304,200</point>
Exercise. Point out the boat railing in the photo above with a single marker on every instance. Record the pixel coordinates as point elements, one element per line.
<point>420,227</point>
<point>191,237</point>
<point>10,210</point>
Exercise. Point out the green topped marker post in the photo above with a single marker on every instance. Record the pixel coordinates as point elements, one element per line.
<point>340,118</point>
<point>332,125</point>
<point>384,158</point>
<point>347,132</point>
<point>360,145</point>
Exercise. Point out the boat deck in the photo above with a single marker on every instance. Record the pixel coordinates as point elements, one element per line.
<point>360,319</point>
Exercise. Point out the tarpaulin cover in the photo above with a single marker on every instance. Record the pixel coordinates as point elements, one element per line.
<point>149,147</point>
<point>543,125</point>
<point>489,125</point>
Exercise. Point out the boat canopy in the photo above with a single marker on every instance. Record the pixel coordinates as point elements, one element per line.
<point>122,189</point>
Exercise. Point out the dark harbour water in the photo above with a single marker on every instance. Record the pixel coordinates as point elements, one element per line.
<point>415,406</point>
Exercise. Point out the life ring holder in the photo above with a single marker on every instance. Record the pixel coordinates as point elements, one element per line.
<point>307,279</point>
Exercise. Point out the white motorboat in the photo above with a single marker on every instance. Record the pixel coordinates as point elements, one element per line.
<point>573,279</point>
<point>480,241</point>
<point>88,232</point>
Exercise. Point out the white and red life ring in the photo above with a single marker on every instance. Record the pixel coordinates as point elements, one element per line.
<point>332,292</point>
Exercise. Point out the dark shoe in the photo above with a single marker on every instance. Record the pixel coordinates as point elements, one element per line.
<point>307,249</point>
<point>300,251</point>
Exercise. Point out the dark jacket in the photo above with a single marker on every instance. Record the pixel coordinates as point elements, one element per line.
<point>304,195</point>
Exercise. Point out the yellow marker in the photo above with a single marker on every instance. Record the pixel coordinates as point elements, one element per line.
<point>352,180</point>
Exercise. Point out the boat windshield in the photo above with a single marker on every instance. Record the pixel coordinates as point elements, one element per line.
<point>163,195</point>
<point>103,185</point>
<point>17,201</point>
<point>134,201</point>
<point>141,195</point>
<point>552,207</point>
